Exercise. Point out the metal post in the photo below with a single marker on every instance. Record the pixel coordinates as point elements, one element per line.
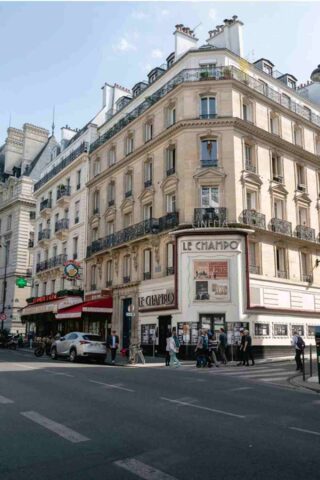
<point>232,352</point>
<point>310,360</point>
<point>303,367</point>
<point>4,294</point>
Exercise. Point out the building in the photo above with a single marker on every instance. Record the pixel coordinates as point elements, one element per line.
<point>23,152</point>
<point>203,200</point>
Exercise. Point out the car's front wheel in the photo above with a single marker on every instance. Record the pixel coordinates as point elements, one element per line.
<point>54,354</point>
<point>73,355</point>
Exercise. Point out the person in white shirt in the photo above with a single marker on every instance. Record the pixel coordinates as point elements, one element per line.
<point>113,344</point>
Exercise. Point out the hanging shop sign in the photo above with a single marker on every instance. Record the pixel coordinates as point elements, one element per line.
<point>21,282</point>
<point>72,270</point>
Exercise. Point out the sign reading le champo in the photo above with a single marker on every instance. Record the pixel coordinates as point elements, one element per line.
<point>156,300</point>
<point>210,245</point>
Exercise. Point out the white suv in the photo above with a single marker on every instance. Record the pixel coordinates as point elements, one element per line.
<point>76,345</point>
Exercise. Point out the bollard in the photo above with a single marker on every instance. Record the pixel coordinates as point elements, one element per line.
<point>310,360</point>
<point>303,367</point>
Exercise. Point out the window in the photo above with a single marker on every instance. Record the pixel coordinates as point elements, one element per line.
<point>171,202</point>
<point>96,202</point>
<point>267,68</point>
<point>147,258</point>
<point>297,135</point>
<point>303,216</point>
<point>129,145</point>
<point>254,258</point>
<point>112,156</point>
<point>291,83</point>
<point>53,286</point>
<point>126,268</point>
<point>111,194</point>
<point>171,116</point>
<point>307,113</point>
<point>109,273</point>
<point>127,220</point>
<point>301,178</point>
<point>278,208</point>
<point>148,132</point>
<point>148,173</point>
<point>170,161</point>
<point>281,264</point>
<point>110,228</point>
<point>94,234</point>
<point>77,211</point>
<point>251,198</point>
<point>311,330</point>
<point>36,290</point>
<point>247,111</point>
<point>170,258</point>
<point>66,213</point>
<point>249,165</point>
<point>305,267</point>
<point>75,248</point>
<point>276,165</point>
<point>128,185</point>
<point>274,124</point>
<point>96,167</point>
<point>286,100</point>
<point>9,222</point>
<point>317,148</point>
<point>78,179</point>
<point>261,329</point>
<point>208,107</point>
<point>280,330</point>
<point>209,153</point>
<point>93,277</point>
<point>54,251</point>
<point>64,248</point>
<point>44,288</point>
<point>38,257</point>
<point>0,222</point>
<point>147,211</point>
<point>209,197</point>
<point>298,328</point>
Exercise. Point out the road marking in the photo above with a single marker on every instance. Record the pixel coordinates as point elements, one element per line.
<point>24,366</point>
<point>4,400</point>
<point>118,387</point>
<point>266,375</point>
<point>251,372</point>
<point>59,373</point>
<point>273,379</point>
<point>303,430</point>
<point>143,470</point>
<point>186,404</point>
<point>55,427</point>
<point>239,389</point>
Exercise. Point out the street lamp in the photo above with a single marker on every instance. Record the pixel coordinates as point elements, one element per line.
<point>315,75</point>
<point>4,286</point>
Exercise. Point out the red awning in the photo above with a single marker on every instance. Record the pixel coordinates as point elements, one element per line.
<point>103,305</point>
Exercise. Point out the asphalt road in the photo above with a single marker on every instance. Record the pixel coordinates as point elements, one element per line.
<point>89,422</point>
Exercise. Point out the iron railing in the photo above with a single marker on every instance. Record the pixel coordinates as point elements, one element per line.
<point>47,203</point>
<point>168,221</point>
<point>111,202</point>
<point>305,233</point>
<point>210,217</point>
<point>128,193</point>
<point>146,275</point>
<point>44,234</point>
<point>254,218</point>
<point>282,274</point>
<point>62,224</point>
<point>250,167</point>
<point>126,279</point>
<point>148,183</point>
<point>52,262</point>
<point>83,148</point>
<point>30,243</point>
<point>254,269</point>
<point>278,225</point>
<point>171,171</point>
<point>195,75</point>
<point>209,163</point>
<point>63,191</point>
<point>307,278</point>
<point>170,270</point>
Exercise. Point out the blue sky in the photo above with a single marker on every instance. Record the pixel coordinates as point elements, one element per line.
<point>61,53</point>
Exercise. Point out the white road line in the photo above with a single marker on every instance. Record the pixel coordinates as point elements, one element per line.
<point>24,366</point>
<point>59,373</point>
<point>4,400</point>
<point>118,387</point>
<point>186,404</point>
<point>273,379</point>
<point>239,389</point>
<point>55,427</point>
<point>303,430</point>
<point>265,375</point>
<point>142,470</point>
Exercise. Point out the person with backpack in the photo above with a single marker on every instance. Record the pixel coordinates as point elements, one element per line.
<point>202,349</point>
<point>299,345</point>
<point>223,344</point>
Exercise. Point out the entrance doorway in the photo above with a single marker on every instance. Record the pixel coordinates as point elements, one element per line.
<point>213,322</point>
<point>164,328</point>
<point>126,322</point>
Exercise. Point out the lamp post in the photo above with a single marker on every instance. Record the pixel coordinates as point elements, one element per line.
<point>4,286</point>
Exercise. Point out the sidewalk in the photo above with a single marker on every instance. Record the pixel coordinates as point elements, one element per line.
<point>311,383</point>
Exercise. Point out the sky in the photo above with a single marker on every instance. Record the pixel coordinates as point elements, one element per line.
<point>61,53</point>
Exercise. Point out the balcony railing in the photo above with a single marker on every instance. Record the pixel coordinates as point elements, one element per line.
<point>209,163</point>
<point>111,202</point>
<point>30,243</point>
<point>250,167</point>
<point>195,75</point>
<point>170,270</point>
<point>281,226</point>
<point>254,218</point>
<point>128,193</point>
<point>52,262</point>
<point>44,234</point>
<point>152,226</point>
<point>126,279</point>
<point>171,171</point>
<point>254,269</point>
<point>146,275</point>
<point>210,217</point>
<point>208,115</point>
<point>147,183</point>
<point>108,283</point>
<point>305,233</point>
<point>95,211</point>
<point>282,274</point>
<point>47,203</point>
<point>62,224</point>
<point>63,191</point>
<point>307,278</point>
<point>84,147</point>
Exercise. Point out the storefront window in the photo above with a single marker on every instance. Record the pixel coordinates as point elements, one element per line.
<point>149,334</point>
<point>261,329</point>
<point>298,328</point>
<point>311,330</point>
<point>280,330</point>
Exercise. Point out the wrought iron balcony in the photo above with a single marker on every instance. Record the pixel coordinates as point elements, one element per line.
<point>168,221</point>
<point>111,202</point>
<point>83,148</point>
<point>208,115</point>
<point>52,262</point>
<point>281,226</point>
<point>170,270</point>
<point>171,171</point>
<point>195,75</point>
<point>30,243</point>
<point>95,211</point>
<point>282,274</point>
<point>63,191</point>
<point>126,279</point>
<point>250,167</point>
<point>62,224</point>
<point>146,275</point>
<point>277,178</point>
<point>209,163</point>
<point>108,283</point>
<point>210,217</point>
<point>47,203</point>
<point>147,183</point>
<point>254,218</point>
<point>307,278</point>
<point>305,233</point>
<point>254,269</point>
<point>128,193</point>
<point>44,234</point>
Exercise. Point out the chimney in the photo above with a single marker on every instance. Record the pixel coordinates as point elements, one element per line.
<point>228,35</point>
<point>185,40</point>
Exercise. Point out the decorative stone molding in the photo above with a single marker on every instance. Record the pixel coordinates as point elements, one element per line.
<point>250,177</point>
<point>127,205</point>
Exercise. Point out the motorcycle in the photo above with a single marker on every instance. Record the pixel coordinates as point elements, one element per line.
<point>9,342</point>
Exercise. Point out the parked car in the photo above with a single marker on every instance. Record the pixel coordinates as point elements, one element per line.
<point>80,345</point>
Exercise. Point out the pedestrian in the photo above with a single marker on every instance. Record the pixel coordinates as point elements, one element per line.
<point>113,344</point>
<point>223,344</point>
<point>241,347</point>
<point>247,349</point>
<point>202,349</point>
<point>174,346</point>
<point>299,345</point>
<point>168,348</point>
<point>212,344</point>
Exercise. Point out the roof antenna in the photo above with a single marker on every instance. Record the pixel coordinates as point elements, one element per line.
<point>194,29</point>
<point>53,125</point>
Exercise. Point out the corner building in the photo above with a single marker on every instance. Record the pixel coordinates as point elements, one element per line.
<point>204,200</point>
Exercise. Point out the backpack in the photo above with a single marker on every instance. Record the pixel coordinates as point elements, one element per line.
<point>300,343</point>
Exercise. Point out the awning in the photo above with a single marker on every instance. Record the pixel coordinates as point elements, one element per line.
<point>103,305</point>
<point>50,307</point>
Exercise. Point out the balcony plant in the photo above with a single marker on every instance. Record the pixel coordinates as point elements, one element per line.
<point>204,75</point>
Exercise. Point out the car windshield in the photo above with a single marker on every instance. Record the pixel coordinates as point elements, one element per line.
<point>93,338</point>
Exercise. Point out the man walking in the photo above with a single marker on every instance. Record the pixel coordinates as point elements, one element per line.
<point>113,344</point>
<point>223,343</point>
<point>299,345</point>
<point>247,349</point>
<point>174,345</point>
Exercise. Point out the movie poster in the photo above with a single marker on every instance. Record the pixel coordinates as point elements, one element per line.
<point>211,280</point>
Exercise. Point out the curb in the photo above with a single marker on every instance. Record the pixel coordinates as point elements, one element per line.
<point>301,384</point>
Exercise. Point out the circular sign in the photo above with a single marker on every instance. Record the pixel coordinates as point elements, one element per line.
<point>3,316</point>
<point>71,270</point>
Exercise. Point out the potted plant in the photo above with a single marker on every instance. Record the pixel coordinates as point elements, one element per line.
<point>204,75</point>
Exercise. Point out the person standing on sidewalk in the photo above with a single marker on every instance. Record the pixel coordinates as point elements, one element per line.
<point>223,343</point>
<point>168,336</point>
<point>247,349</point>
<point>113,344</point>
<point>299,345</point>
<point>212,344</point>
<point>174,345</point>
<point>240,351</point>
